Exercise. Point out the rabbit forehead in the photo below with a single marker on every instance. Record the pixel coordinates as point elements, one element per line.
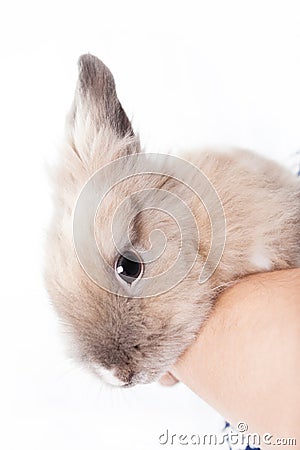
<point>142,224</point>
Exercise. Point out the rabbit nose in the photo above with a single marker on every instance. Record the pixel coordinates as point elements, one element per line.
<point>125,375</point>
<point>128,378</point>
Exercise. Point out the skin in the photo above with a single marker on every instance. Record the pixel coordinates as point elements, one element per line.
<point>246,359</point>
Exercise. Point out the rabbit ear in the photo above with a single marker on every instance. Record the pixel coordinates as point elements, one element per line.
<point>96,105</point>
<point>96,87</point>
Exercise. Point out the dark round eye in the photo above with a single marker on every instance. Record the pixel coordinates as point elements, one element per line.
<point>129,267</point>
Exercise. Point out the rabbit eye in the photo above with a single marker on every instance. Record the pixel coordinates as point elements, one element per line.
<point>129,267</point>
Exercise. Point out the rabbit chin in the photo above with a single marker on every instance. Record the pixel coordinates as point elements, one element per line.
<point>109,377</point>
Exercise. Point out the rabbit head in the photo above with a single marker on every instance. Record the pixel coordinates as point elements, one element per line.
<point>123,248</point>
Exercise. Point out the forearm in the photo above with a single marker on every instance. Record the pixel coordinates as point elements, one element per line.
<point>246,360</point>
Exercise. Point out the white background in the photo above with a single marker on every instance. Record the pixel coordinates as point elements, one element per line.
<point>188,73</point>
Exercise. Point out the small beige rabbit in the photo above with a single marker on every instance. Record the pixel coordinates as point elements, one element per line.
<point>134,285</point>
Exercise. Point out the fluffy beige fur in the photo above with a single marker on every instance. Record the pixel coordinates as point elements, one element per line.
<point>140,338</point>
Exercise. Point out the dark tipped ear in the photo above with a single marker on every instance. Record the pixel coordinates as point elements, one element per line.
<point>96,94</point>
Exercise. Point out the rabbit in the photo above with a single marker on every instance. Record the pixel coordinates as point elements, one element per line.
<point>122,330</point>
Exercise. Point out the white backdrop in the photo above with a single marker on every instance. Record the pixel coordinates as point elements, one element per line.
<point>189,74</point>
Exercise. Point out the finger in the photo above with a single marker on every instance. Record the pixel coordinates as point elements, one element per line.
<point>168,379</point>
